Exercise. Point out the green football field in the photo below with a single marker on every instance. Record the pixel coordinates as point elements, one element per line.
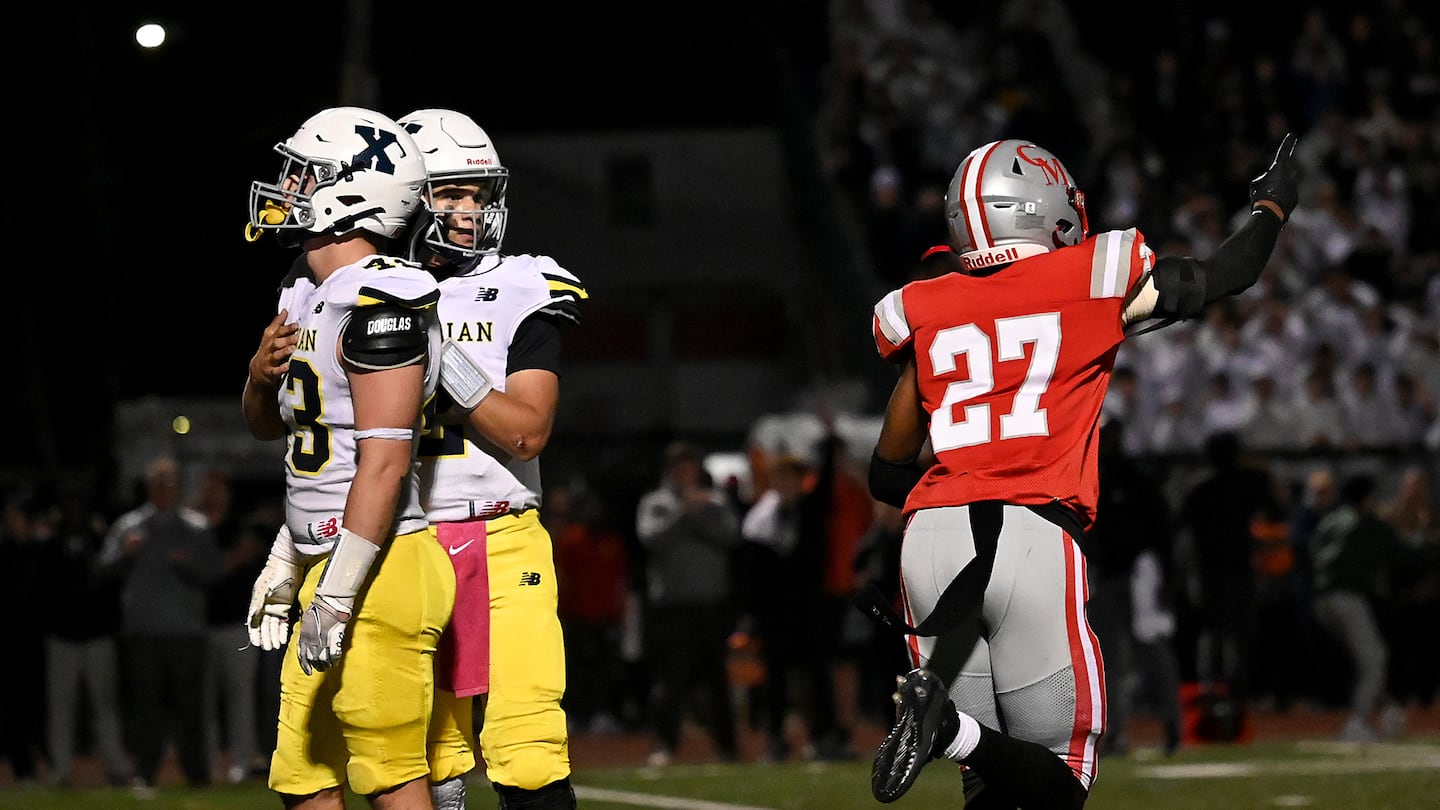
<point>1261,775</point>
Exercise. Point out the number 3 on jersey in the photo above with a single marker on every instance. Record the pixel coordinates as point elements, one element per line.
<point>1026,417</point>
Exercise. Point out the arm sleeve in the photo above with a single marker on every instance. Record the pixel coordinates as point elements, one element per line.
<point>1186,285</point>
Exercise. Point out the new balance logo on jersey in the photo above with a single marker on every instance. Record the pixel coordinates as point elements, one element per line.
<point>318,307</point>
<point>380,326</point>
<point>530,578</point>
<point>487,294</point>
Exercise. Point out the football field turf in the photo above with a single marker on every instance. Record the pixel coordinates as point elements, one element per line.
<point>1308,774</point>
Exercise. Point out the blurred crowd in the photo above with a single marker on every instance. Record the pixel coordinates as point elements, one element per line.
<point>1339,344</point>
<point>721,596</point>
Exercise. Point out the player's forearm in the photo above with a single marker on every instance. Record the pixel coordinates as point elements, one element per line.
<point>905,424</point>
<point>513,425</point>
<point>260,408</point>
<point>381,474</point>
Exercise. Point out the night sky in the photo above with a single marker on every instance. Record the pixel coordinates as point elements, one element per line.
<point>132,168</point>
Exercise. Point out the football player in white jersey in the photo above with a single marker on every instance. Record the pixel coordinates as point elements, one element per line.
<point>480,477</point>
<point>344,373</point>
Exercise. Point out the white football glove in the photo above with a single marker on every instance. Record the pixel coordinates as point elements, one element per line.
<point>464,381</point>
<point>323,624</point>
<point>274,592</point>
<point>322,633</point>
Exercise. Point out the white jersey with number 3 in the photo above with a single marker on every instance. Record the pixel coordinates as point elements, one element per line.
<point>320,457</point>
<point>463,475</point>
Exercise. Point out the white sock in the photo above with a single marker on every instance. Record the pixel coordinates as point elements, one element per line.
<point>965,739</point>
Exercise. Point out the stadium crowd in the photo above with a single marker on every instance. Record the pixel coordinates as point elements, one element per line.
<point>1318,389</point>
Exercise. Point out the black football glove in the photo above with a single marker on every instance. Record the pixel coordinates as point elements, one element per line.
<point>1278,184</point>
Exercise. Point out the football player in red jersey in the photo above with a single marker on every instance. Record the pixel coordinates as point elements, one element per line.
<point>1004,367</point>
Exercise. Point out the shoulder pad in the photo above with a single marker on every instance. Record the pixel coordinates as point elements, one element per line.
<point>566,291</point>
<point>381,336</point>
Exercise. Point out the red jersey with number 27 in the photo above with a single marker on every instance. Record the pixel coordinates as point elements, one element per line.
<point>1013,369</point>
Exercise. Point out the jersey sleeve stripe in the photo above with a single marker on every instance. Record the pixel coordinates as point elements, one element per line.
<point>559,288</point>
<point>370,296</point>
<point>890,315</point>
<point>1110,263</point>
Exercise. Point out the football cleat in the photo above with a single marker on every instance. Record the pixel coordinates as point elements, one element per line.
<point>919,702</point>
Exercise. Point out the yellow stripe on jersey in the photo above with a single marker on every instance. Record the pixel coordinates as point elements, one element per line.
<point>369,296</point>
<point>559,288</point>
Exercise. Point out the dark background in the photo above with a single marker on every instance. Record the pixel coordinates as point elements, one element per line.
<point>130,169</point>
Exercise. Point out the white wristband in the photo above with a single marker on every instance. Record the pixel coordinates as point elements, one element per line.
<point>465,381</point>
<point>348,567</point>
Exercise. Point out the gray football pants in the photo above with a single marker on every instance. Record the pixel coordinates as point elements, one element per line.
<point>1028,665</point>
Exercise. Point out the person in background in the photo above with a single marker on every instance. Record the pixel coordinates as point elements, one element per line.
<point>22,717</point>
<point>690,535</point>
<point>1353,555</point>
<point>166,559</point>
<point>233,665</point>
<point>1408,618</point>
<point>80,645</point>
<point>785,607</point>
<point>592,567</point>
<point>1132,515</point>
<point>1216,516</point>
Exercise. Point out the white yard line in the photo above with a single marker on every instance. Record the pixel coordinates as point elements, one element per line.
<point>1369,759</point>
<point>652,800</point>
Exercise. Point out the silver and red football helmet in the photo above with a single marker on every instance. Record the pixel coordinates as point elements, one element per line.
<point>1011,199</point>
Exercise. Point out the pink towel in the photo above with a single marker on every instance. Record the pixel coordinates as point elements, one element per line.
<point>462,662</point>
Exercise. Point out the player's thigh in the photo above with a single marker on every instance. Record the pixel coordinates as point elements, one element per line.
<point>1049,678</point>
<point>523,738</point>
<point>938,543</point>
<point>1035,603</point>
<point>526,641</point>
<point>310,750</point>
<point>387,675</point>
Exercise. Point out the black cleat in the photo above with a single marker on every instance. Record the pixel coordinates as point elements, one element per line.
<point>919,699</point>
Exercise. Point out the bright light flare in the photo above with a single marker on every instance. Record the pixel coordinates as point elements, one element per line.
<point>150,35</point>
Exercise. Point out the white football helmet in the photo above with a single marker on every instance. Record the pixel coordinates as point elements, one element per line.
<point>345,169</point>
<point>1012,199</point>
<point>458,152</point>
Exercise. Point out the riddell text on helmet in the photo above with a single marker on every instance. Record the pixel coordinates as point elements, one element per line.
<point>975,261</point>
